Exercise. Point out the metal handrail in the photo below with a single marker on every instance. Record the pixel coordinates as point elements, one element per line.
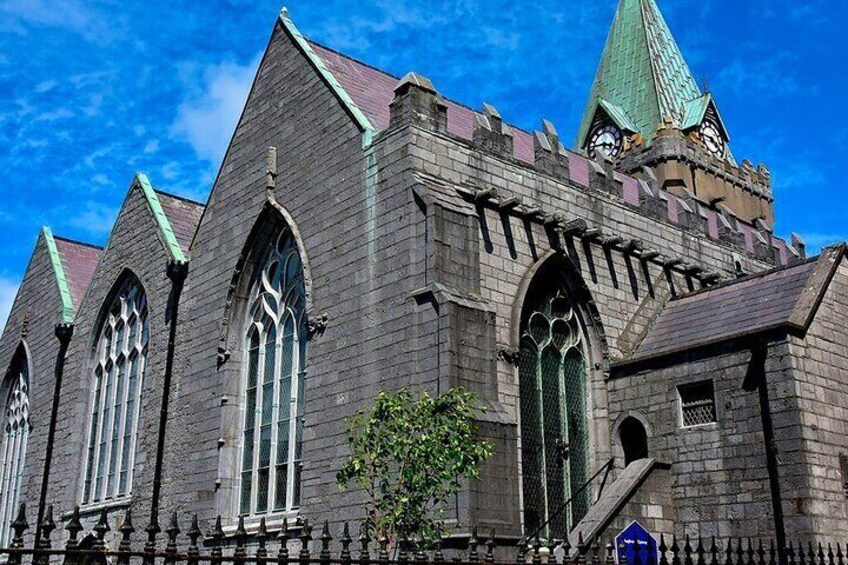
<point>608,466</point>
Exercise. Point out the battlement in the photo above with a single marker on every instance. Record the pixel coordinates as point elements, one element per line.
<point>417,103</point>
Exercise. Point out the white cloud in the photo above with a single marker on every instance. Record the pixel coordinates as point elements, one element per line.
<point>46,86</point>
<point>96,218</point>
<point>207,120</point>
<point>8,291</point>
<point>152,146</point>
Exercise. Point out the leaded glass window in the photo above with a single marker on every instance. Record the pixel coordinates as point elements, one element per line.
<point>697,404</point>
<point>554,432</point>
<point>275,377</point>
<point>15,436</point>
<point>117,381</point>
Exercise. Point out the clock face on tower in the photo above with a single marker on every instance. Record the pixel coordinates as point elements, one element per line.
<point>712,139</point>
<point>606,139</point>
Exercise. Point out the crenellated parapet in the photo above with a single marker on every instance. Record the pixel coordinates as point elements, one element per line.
<point>418,103</point>
<point>679,160</point>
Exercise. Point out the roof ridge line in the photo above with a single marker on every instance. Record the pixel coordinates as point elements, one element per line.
<point>178,197</point>
<point>77,242</point>
<point>746,278</point>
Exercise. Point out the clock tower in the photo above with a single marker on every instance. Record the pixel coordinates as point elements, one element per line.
<point>647,114</point>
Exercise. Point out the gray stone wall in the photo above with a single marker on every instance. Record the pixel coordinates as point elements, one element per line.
<point>350,209</point>
<point>720,475</point>
<point>820,367</point>
<point>135,245</point>
<point>34,315</point>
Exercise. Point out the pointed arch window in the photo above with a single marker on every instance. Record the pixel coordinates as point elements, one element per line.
<point>15,435</point>
<point>274,382</point>
<point>553,405</point>
<point>119,365</point>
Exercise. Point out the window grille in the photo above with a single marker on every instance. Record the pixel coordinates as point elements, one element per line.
<point>275,379</point>
<point>120,362</point>
<point>554,431</point>
<point>15,437</point>
<point>697,404</point>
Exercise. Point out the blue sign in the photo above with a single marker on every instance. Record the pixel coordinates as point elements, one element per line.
<point>636,545</point>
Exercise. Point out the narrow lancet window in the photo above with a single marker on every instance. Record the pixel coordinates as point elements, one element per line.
<point>275,344</point>
<point>15,435</point>
<point>117,382</point>
<point>554,431</point>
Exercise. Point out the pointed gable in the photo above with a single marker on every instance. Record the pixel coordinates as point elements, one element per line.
<point>642,71</point>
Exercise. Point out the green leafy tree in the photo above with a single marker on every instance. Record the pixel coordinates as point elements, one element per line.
<point>410,453</point>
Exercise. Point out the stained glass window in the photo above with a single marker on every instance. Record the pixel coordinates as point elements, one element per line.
<point>15,436</point>
<point>117,383</point>
<point>275,378</point>
<point>554,433</point>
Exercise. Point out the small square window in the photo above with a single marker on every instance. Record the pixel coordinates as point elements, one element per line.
<point>697,404</point>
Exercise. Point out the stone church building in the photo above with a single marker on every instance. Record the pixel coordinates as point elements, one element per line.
<point>646,348</point>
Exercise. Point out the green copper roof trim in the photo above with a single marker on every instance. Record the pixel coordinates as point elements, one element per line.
<point>695,110</point>
<point>642,71</point>
<point>61,280</point>
<point>161,219</point>
<point>618,115</point>
<point>361,119</point>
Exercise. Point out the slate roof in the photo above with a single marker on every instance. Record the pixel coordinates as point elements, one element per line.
<point>785,297</point>
<point>642,71</point>
<point>372,91</point>
<point>183,215</point>
<point>78,262</point>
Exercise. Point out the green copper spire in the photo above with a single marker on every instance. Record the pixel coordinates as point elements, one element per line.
<point>642,77</point>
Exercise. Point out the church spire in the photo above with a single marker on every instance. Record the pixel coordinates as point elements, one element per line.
<point>643,78</point>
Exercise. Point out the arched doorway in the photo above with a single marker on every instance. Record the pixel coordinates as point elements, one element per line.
<point>634,440</point>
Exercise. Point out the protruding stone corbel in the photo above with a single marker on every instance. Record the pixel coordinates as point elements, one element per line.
<point>672,262</point>
<point>509,204</point>
<point>612,241</point>
<point>634,247</point>
<point>316,324</point>
<point>508,354</point>
<point>271,169</point>
<point>485,195</point>
<point>418,103</point>
<point>491,134</point>
<point>534,213</point>
<point>649,254</point>
<point>593,234</point>
<point>710,278</point>
<point>223,355</point>
<point>575,228</point>
<point>553,221</point>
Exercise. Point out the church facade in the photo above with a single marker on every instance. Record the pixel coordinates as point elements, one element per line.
<point>645,346</point>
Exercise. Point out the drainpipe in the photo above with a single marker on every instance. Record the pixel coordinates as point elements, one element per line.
<point>63,333</point>
<point>756,377</point>
<point>177,272</point>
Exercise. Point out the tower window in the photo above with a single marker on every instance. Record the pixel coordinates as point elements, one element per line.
<point>15,434</point>
<point>697,403</point>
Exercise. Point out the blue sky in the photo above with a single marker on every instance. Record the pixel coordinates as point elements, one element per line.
<point>93,90</point>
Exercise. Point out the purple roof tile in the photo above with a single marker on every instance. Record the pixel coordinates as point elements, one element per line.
<point>183,215</point>
<point>78,261</point>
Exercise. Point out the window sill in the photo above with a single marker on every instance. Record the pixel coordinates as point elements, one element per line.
<point>273,523</point>
<point>96,508</point>
<point>708,425</point>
